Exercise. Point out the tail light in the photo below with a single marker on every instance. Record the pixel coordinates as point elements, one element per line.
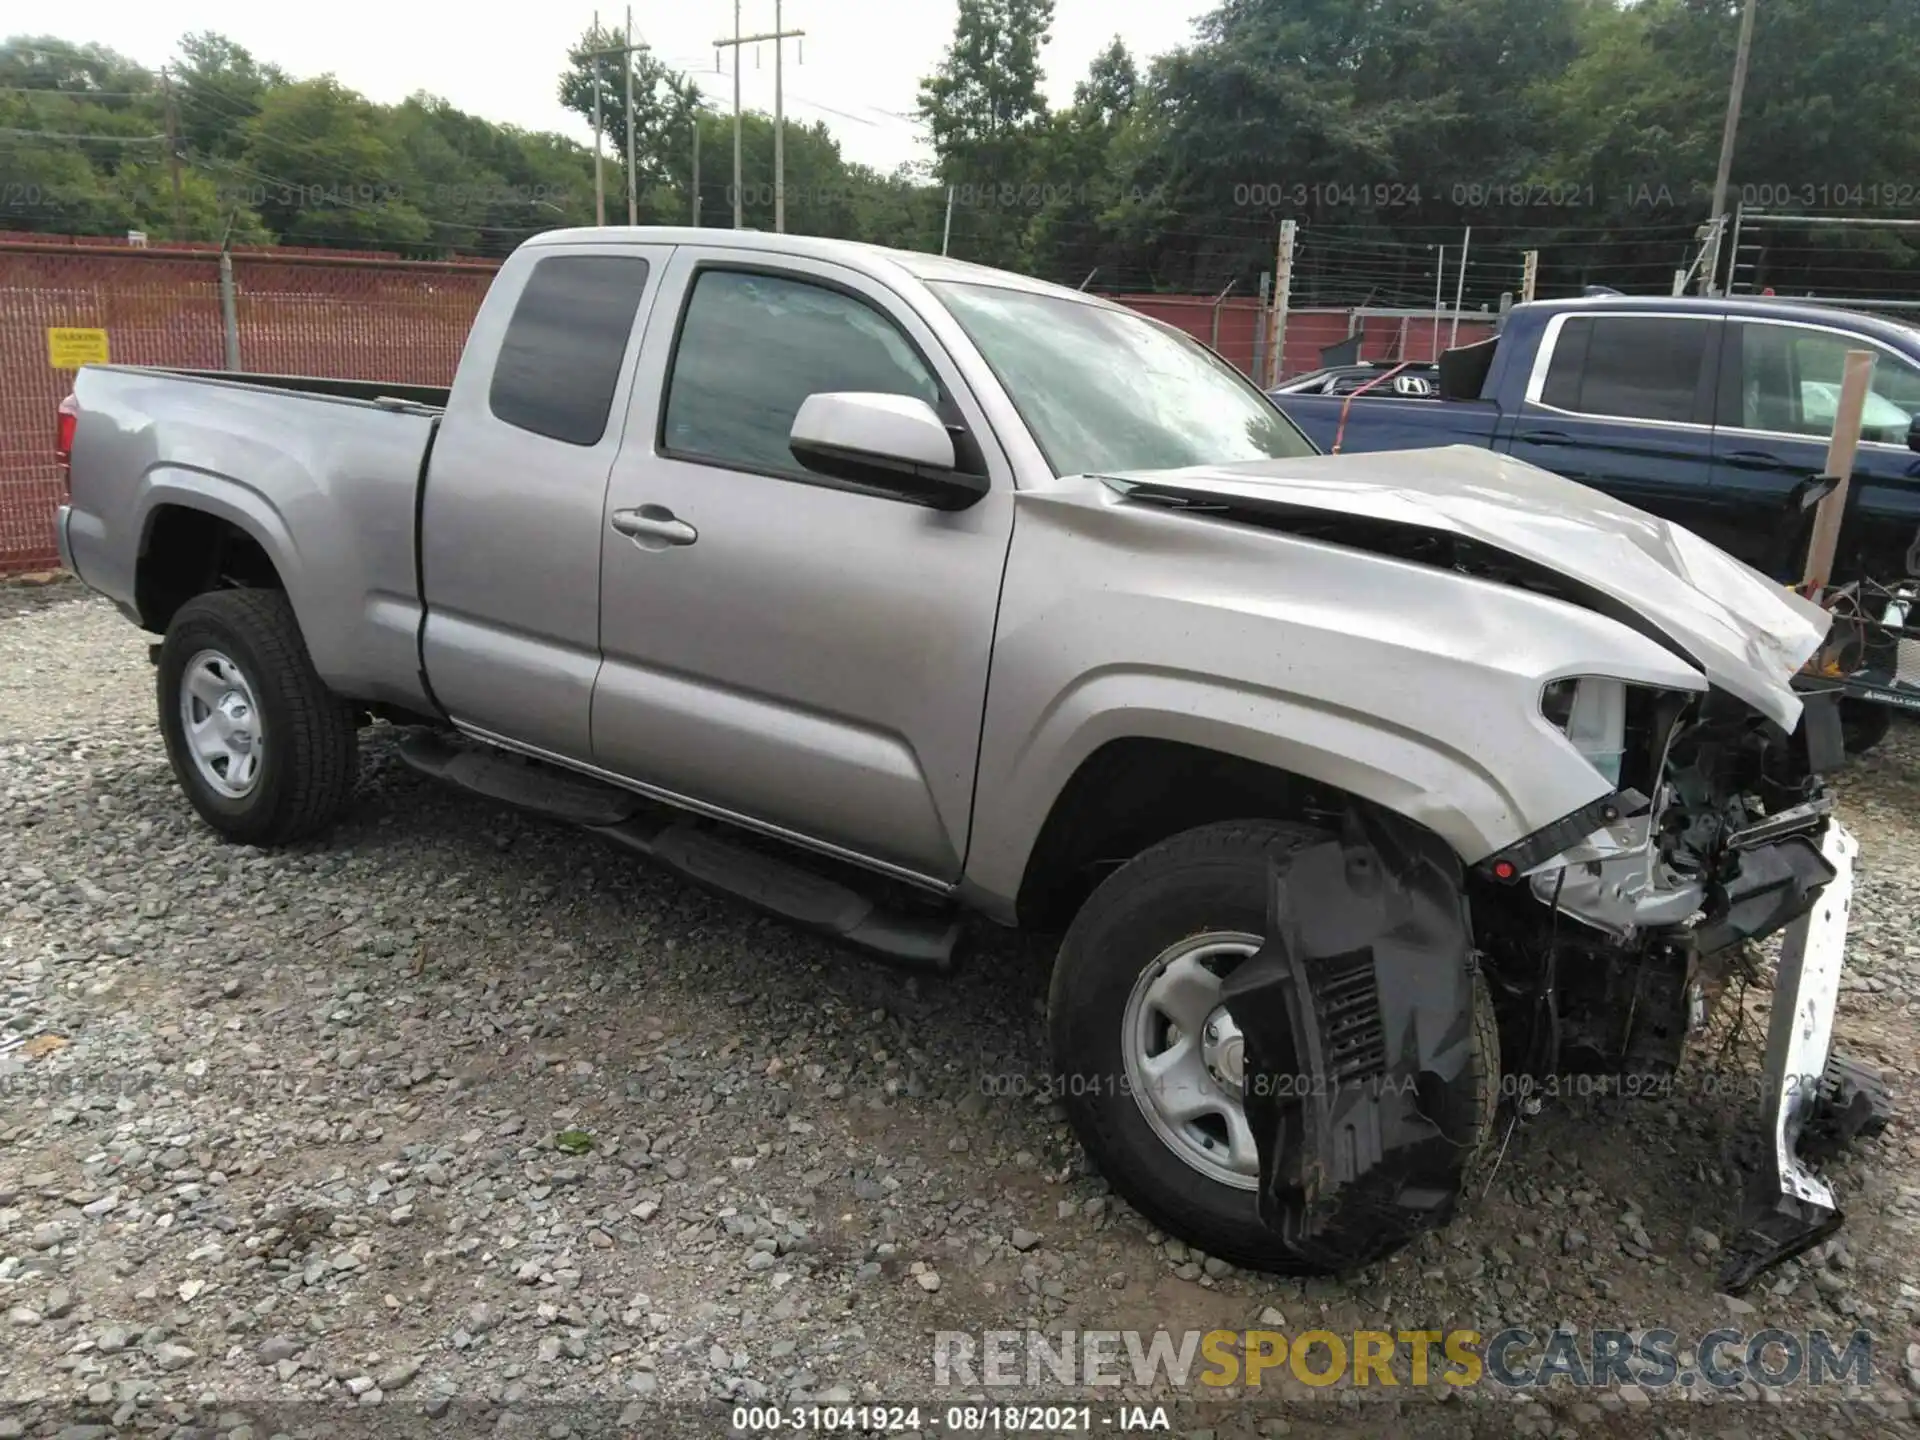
<point>69,421</point>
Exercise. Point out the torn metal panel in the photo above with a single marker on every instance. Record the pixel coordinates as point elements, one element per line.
<point>1748,634</point>
<point>1788,1208</point>
<point>1358,1018</point>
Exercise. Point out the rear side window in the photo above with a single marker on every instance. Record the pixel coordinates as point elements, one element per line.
<point>560,361</point>
<point>1636,369</point>
<point>753,347</point>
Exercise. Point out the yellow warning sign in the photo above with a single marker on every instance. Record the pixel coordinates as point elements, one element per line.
<point>69,348</point>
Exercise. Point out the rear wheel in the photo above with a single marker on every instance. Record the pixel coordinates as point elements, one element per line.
<point>1150,1063</point>
<point>266,753</point>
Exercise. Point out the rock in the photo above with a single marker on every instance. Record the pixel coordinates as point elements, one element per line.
<point>397,1376</point>
<point>113,1339</point>
<point>1703,1241</point>
<point>1736,1306</point>
<point>928,1281</point>
<point>58,1302</point>
<point>277,1348</point>
<point>47,1236</point>
<point>23,1315</point>
<point>1023,1240</point>
<point>171,1356</point>
<point>360,1385</point>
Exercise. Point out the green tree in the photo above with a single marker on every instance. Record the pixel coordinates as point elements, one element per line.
<point>664,101</point>
<point>319,171</point>
<point>218,87</point>
<point>988,122</point>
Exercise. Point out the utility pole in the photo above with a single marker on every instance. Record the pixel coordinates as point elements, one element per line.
<point>779,37</point>
<point>626,64</point>
<point>1741,56</point>
<point>1282,297</point>
<point>626,51</point>
<point>1710,280</point>
<point>599,185</point>
<point>1460,288</point>
<point>173,151</point>
<point>696,169</point>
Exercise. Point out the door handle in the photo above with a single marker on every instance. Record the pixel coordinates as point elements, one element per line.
<point>1753,460</point>
<point>1543,437</point>
<point>655,523</point>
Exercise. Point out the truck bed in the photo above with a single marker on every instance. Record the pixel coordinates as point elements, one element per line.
<point>331,468</point>
<point>1387,423</point>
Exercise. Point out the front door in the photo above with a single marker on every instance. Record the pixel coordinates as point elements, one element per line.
<point>1779,390</point>
<point>781,647</point>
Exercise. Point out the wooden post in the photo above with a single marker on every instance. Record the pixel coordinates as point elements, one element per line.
<point>1282,295</point>
<point>1854,385</point>
<point>1529,276</point>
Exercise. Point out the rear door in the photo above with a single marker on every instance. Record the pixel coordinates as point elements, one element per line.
<point>800,654</point>
<point>511,513</point>
<point>1624,402</point>
<point>1779,389</point>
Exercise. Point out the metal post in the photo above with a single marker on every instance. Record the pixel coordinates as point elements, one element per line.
<point>1460,288</point>
<point>626,64</point>
<point>1733,247</point>
<point>599,185</point>
<point>229,311</point>
<point>739,222</point>
<point>696,169</point>
<point>946,235</point>
<point>1282,297</point>
<point>779,131</point>
<point>1439,279</point>
<point>1218,301</point>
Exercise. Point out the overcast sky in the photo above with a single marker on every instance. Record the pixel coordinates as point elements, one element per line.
<point>858,67</point>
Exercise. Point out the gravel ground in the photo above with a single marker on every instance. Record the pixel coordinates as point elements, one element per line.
<point>283,1142</point>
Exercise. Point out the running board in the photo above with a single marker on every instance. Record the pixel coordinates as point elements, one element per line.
<point>694,851</point>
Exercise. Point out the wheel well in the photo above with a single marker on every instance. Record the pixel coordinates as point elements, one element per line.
<point>1131,794</point>
<point>189,552</point>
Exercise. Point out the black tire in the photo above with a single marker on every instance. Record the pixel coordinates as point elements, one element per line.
<point>309,743</point>
<point>1864,724</point>
<point>1210,879</point>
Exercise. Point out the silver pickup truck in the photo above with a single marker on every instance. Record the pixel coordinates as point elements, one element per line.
<point>881,590</point>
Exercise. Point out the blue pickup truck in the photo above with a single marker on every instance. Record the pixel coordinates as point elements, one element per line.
<point>1704,412</point>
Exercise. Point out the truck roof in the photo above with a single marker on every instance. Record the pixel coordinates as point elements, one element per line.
<point>1754,306</point>
<point>855,253</point>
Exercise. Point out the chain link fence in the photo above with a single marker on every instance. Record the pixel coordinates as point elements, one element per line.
<point>297,313</point>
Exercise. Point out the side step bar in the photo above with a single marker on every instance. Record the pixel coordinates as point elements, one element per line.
<point>706,856</point>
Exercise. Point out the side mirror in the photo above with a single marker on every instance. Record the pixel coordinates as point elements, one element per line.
<point>1913,433</point>
<point>894,443</point>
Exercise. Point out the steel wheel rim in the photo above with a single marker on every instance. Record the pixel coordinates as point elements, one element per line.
<point>221,725</point>
<point>1164,1043</point>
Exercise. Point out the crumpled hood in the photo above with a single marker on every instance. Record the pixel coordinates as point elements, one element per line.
<point>1748,635</point>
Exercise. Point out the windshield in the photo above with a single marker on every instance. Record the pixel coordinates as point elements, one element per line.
<point>1108,390</point>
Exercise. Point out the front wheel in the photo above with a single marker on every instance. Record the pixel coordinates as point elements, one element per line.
<point>1151,1065</point>
<point>266,753</point>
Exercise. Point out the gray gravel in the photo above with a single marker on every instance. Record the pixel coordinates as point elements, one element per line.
<point>461,1114</point>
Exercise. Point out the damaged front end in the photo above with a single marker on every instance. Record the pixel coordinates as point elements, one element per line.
<point>1606,950</point>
